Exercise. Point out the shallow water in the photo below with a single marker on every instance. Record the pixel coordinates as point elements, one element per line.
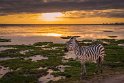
<point>50,77</point>
<point>29,34</point>
<point>26,34</point>
<point>6,58</point>
<point>24,51</point>
<point>70,55</point>
<point>36,58</point>
<point>62,67</point>
<point>3,71</point>
<point>5,48</point>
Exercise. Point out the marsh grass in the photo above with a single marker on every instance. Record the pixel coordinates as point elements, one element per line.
<point>28,70</point>
<point>23,76</point>
<point>5,40</point>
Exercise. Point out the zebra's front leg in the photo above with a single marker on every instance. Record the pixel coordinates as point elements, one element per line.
<point>83,71</point>
<point>81,76</point>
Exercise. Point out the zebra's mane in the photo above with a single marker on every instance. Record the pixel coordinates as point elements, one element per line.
<point>77,43</point>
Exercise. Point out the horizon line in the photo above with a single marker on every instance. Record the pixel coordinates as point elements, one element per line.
<point>69,24</point>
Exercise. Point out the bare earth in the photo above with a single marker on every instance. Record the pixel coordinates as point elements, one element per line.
<point>109,79</point>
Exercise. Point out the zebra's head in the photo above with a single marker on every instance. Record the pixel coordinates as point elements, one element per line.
<point>70,44</point>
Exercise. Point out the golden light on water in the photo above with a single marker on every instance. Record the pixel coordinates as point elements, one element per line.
<point>51,16</point>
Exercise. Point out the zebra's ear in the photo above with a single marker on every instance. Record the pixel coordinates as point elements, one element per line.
<point>72,37</point>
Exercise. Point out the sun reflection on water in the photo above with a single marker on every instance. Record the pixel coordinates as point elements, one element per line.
<point>51,34</point>
<point>63,30</point>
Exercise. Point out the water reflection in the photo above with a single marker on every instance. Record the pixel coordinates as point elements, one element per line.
<point>50,77</point>
<point>36,58</point>
<point>5,48</point>
<point>52,32</point>
<point>3,71</point>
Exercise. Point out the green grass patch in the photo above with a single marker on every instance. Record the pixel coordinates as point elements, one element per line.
<point>42,43</point>
<point>23,76</point>
<point>20,63</point>
<point>5,40</point>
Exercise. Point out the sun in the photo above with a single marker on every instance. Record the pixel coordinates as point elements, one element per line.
<point>55,16</point>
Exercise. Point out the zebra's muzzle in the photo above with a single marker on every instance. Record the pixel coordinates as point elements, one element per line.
<point>65,49</point>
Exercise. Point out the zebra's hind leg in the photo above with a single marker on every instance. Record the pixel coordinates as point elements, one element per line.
<point>84,68</point>
<point>99,66</point>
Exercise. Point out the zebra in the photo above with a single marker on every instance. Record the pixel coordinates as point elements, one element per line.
<point>93,53</point>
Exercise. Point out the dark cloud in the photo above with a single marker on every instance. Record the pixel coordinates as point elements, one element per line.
<point>110,13</point>
<point>39,6</point>
<point>95,13</point>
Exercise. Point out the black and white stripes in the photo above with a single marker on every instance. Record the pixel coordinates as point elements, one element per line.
<point>93,53</point>
<point>86,53</point>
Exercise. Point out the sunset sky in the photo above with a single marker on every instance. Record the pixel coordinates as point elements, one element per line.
<point>61,11</point>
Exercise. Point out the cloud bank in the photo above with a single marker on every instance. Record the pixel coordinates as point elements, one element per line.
<point>41,6</point>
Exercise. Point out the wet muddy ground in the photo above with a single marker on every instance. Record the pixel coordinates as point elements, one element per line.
<point>45,62</point>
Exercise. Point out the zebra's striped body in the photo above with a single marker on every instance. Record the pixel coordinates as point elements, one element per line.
<point>93,53</point>
<point>90,53</point>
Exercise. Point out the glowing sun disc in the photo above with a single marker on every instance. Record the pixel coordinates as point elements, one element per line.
<point>51,16</point>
